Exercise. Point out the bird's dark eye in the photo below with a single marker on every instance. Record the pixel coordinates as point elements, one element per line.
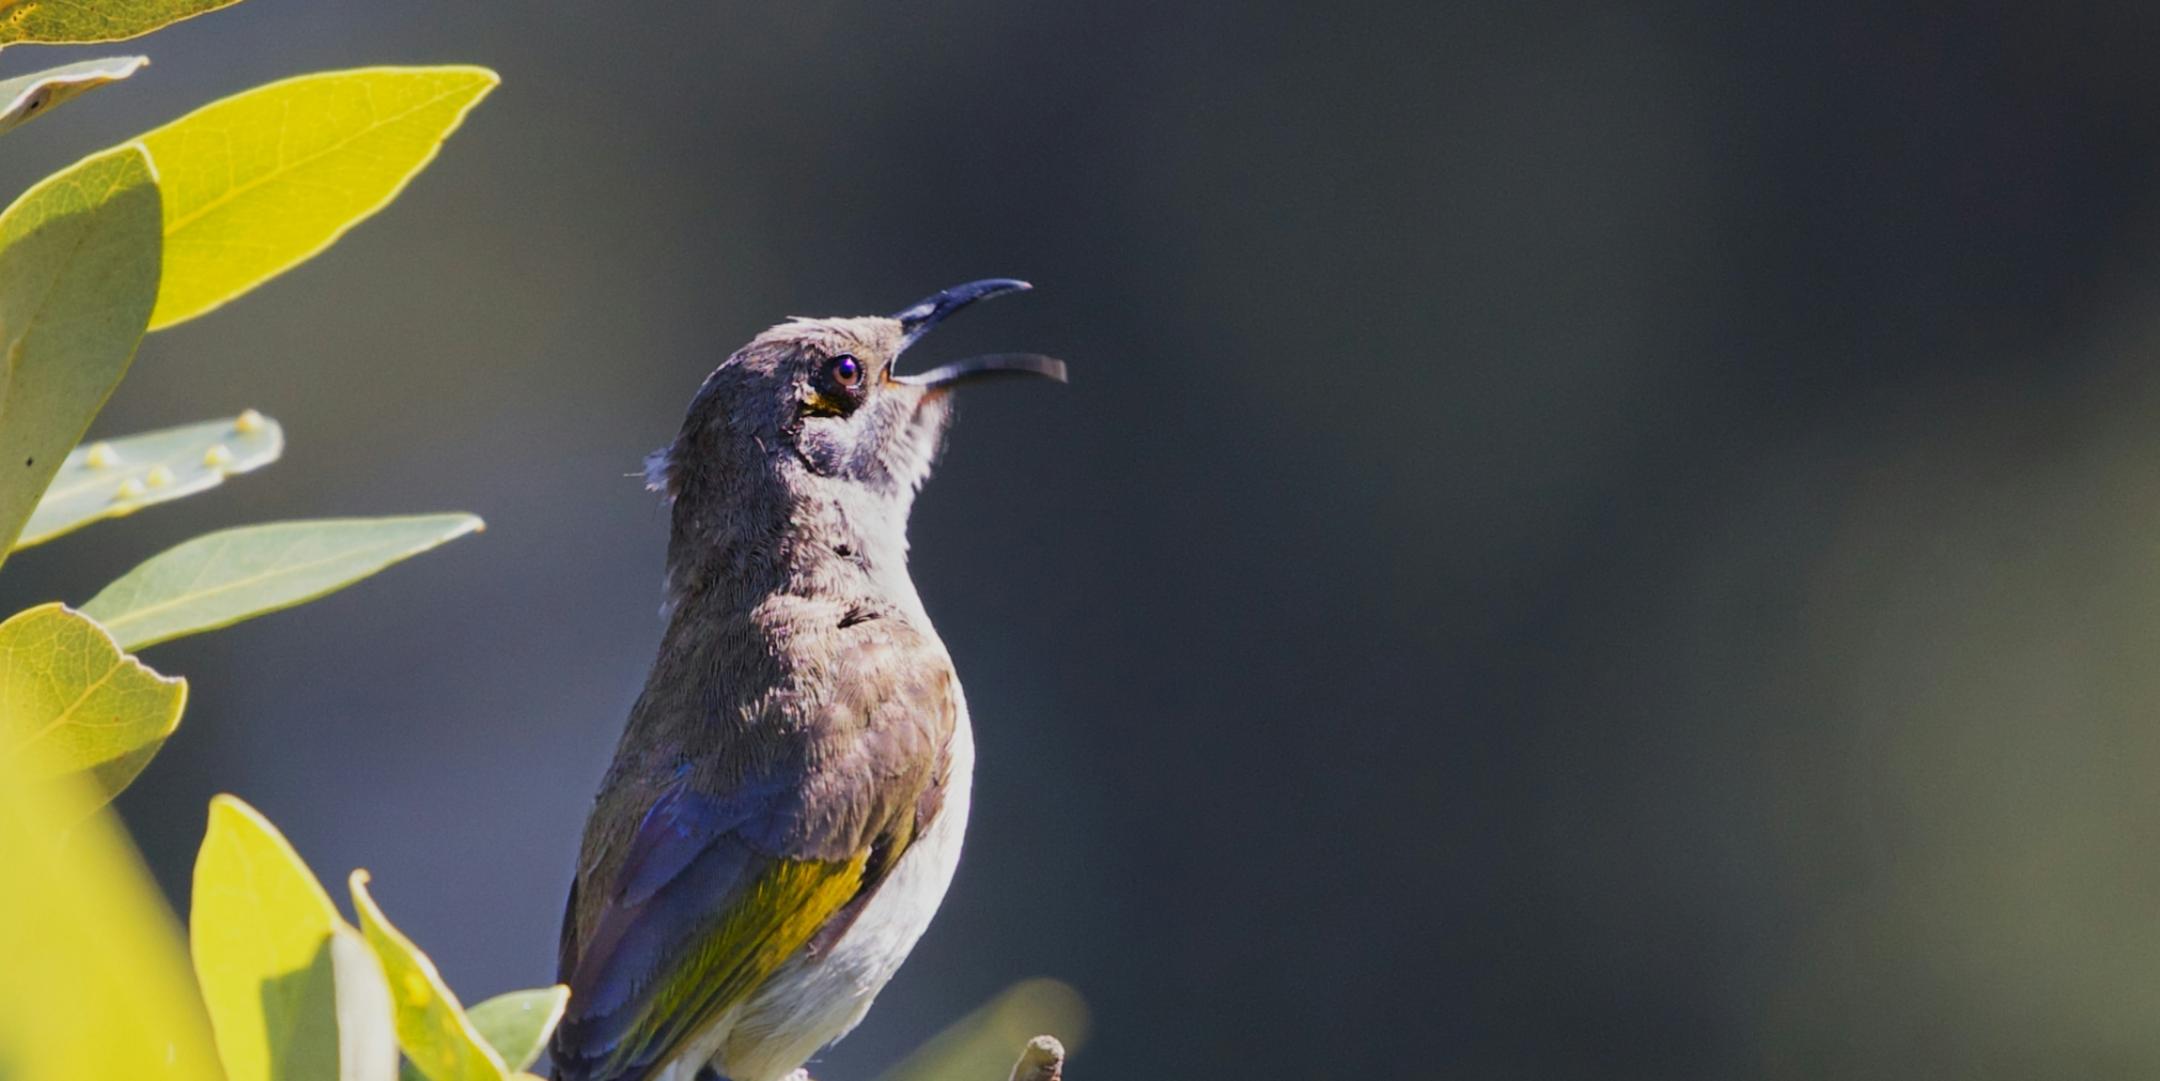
<point>837,388</point>
<point>844,371</point>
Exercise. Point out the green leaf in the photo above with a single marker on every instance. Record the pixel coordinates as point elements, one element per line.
<point>367,1022</point>
<point>114,478</point>
<point>95,984</point>
<point>79,22</point>
<point>984,1043</point>
<point>26,97</point>
<point>265,179</point>
<point>434,1030</point>
<point>71,702</point>
<point>517,1024</point>
<point>221,578</point>
<point>288,998</point>
<point>78,275</point>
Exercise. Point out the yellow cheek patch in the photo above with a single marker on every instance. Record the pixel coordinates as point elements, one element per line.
<point>818,404</point>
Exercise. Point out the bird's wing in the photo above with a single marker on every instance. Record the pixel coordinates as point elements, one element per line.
<point>700,918</point>
<point>712,893</point>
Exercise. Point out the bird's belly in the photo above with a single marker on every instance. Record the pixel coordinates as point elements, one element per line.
<point>808,1004</point>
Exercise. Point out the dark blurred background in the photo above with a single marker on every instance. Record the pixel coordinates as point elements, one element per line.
<point>1582,543</point>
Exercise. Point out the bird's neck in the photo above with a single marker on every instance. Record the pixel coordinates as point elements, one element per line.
<point>844,545</point>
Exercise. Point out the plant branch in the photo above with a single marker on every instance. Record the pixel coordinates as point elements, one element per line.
<point>1043,1060</point>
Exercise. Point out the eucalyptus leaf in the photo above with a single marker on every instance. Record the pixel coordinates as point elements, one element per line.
<point>26,97</point>
<point>263,934</point>
<point>263,180</point>
<point>95,981</point>
<point>434,1031</point>
<point>221,578</point>
<point>517,1024</point>
<point>72,702</point>
<point>80,22</point>
<point>367,1023</point>
<point>114,478</point>
<point>78,276</point>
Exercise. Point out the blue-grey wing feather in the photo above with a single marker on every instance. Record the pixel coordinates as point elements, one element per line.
<point>688,854</point>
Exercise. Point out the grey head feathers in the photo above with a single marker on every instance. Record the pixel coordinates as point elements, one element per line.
<point>801,454</point>
<point>800,449</point>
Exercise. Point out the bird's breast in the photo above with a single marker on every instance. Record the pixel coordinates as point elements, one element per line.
<point>809,1003</point>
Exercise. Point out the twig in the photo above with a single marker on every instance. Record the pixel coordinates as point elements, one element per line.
<point>1044,1060</point>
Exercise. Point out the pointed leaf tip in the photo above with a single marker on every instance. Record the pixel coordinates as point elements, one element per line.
<point>266,179</point>
<point>517,1024</point>
<point>113,478</point>
<point>27,97</point>
<point>433,1029</point>
<point>221,578</point>
<point>72,702</point>
<point>42,22</point>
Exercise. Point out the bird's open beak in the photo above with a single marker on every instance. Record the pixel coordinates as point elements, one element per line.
<point>1034,364</point>
<point>917,319</point>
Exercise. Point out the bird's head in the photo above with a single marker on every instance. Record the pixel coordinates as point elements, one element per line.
<point>814,420</point>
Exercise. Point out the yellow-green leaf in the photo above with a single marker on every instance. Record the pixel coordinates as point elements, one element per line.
<point>367,1022</point>
<point>78,22</point>
<point>95,983</point>
<point>265,179</point>
<point>288,997</point>
<point>78,275</point>
<point>26,97</point>
<point>71,702</point>
<point>985,1042</point>
<point>114,478</point>
<point>221,578</point>
<point>517,1024</point>
<point>432,1028</point>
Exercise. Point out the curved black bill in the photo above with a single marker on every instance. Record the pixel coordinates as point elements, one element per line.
<point>997,364</point>
<point>917,319</point>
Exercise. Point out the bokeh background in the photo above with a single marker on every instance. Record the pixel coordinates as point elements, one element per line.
<point>1582,543</point>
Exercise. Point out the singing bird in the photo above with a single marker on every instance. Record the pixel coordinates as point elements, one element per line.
<point>785,808</point>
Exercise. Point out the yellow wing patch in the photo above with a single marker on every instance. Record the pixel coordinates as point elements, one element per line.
<point>774,918</point>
